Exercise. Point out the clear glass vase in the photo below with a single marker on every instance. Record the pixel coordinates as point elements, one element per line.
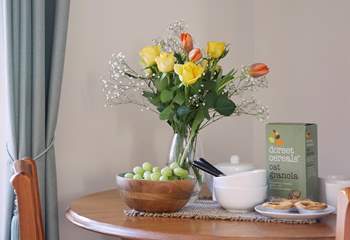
<point>185,150</point>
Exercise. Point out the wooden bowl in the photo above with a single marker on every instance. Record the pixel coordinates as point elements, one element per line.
<point>155,196</point>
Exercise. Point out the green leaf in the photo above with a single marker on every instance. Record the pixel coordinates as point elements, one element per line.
<point>147,94</point>
<point>224,105</point>
<point>163,83</point>
<point>179,58</point>
<point>197,121</point>
<point>166,96</point>
<point>179,98</point>
<point>210,99</point>
<point>163,76</point>
<point>154,68</point>
<point>206,113</point>
<point>207,76</point>
<point>224,80</point>
<point>176,119</point>
<point>155,100</point>
<point>176,80</point>
<point>152,97</point>
<point>210,85</point>
<point>166,113</point>
<point>219,76</point>
<point>196,87</point>
<point>182,111</point>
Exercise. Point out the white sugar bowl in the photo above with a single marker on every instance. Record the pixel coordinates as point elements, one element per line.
<point>229,168</point>
<point>234,166</point>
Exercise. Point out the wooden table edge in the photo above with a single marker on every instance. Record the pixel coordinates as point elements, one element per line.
<point>133,233</point>
<point>94,226</point>
<point>124,232</point>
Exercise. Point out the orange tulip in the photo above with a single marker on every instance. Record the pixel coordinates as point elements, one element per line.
<point>195,55</point>
<point>187,42</point>
<point>258,70</point>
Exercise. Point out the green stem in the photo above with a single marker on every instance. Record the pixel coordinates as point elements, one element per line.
<point>187,149</point>
<point>167,78</point>
<point>186,92</point>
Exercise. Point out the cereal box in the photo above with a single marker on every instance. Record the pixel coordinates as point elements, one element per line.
<point>292,167</point>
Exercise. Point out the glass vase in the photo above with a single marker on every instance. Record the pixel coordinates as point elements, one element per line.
<point>184,150</point>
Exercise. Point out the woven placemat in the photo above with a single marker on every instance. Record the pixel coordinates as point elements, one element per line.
<point>208,209</point>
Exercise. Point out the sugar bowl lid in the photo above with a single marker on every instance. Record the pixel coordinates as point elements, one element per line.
<point>234,165</point>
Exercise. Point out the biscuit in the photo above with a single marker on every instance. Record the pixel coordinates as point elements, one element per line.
<point>279,205</point>
<point>310,205</point>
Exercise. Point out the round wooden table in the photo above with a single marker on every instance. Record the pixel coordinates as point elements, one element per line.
<point>103,213</point>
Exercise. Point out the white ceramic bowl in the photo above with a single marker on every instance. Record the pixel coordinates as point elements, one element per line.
<point>248,179</point>
<point>240,199</point>
<point>333,185</point>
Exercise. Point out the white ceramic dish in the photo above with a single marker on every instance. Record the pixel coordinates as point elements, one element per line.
<point>294,215</point>
<point>333,185</point>
<point>293,209</point>
<point>253,178</point>
<point>240,199</point>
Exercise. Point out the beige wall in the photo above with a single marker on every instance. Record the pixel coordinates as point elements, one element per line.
<point>306,44</point>
<point>94,143</point>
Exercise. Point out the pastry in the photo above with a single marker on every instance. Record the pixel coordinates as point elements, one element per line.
<point>310,205</point>
<point>283,204</point>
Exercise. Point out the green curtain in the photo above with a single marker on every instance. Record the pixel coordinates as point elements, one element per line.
<point>35,33</point>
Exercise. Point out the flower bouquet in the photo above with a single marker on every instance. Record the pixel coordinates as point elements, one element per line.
<point>186,86</point>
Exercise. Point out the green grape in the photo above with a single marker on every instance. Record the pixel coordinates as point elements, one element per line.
<point>147,166</point>
<point>128,175</point>
<point>147,175</point>
<point>138,177</point>
<point>180,172</point>
<point>156,169</point>
<point>163,178</point>
<point>173,177</point>
<point>174,165</point>
<point>138,170</point>
<point>166,171</point>
<point>155,176</point>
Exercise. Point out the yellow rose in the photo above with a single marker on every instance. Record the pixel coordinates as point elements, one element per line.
<point>165,62</point>
<point>189,72</point>
<point>215,49</point>
<point>148,55</point>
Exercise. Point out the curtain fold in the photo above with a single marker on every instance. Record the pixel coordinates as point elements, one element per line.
<point>35,38</point>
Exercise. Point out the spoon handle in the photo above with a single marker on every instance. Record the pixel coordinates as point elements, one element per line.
<point>210,166</point>
<point>203,168</point>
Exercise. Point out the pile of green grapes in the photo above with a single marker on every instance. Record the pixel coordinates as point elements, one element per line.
<point>149,172</point>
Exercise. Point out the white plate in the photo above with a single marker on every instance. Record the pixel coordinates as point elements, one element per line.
<point>294,215</point>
